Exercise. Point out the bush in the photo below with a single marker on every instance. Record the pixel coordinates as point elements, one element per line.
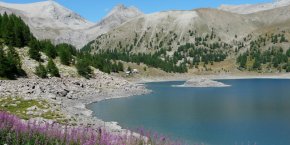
<point>66,52</point>
<point>48,48</point>
<point>40,71</point>
<point>288,52</point>
<point>120,66</point>
<point>52,69</point>
<point>10,64</point>
<point>34,50</point>
<point>83,68</point>
<point>288,67</point>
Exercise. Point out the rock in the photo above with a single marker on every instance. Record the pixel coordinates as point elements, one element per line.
<point>33,108</point>
<point>28,91</point>
<point>87,113</point>
<point>37,113</point>
<point>70,95</point>
<point>29,113</point>
<point>63,93</point>
<point>13,105</point>
<point>38,90</point>
<point>51,96</point>
<point>201,82</point>
<point>80,106</point>
<point>77,83</point>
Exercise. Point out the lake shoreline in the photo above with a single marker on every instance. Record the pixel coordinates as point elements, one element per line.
<point>211,77</point>
<point>71,95</point>
<point>79,93</point>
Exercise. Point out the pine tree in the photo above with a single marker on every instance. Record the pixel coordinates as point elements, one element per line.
<point>120,66</point>
<point>257,64</point>
<point>14,61</point>
<point>9,33</point>
<point>129,69</point>
<point>34,50</point>
<point>3,63</point>
<point>83,68</point>
<point>65,53</point>
<point>288,52</point>
<point>5,19</point>
<point>49,49</point>
<point>288,67</point>
<point>40,71</point>
<point>52,69</point>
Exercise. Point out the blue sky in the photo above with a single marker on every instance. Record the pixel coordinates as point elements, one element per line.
<point>94,10</point>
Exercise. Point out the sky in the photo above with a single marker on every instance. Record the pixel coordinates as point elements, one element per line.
<point>95,10</point>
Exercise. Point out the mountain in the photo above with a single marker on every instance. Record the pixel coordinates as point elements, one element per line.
<point>195,38</point>
<point>116,17</point>
<point>252,8</point>
<point>168,29</point>
<point>175,27</point>
<point>49,14</point>
<point>119,15</point>
<point>50,20</point>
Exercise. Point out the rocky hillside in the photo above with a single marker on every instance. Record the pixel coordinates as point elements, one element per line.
<point>159,29</point>
<point>178,27</point>
<point>50,20</point>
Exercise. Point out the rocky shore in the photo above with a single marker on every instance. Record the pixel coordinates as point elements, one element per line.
<point>72,95</point>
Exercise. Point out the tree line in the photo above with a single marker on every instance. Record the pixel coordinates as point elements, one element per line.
<point>10,63</point>
<point>13,31</point>
<point>275,57</point>
<point>155,60</point>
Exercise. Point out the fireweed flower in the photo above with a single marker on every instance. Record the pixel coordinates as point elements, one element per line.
<point>14,130</point>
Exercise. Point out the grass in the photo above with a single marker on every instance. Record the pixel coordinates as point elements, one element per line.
<point>19,106</point>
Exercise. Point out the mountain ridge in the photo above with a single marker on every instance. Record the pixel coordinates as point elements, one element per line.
<point>253,8</point>
<point>50,20</point>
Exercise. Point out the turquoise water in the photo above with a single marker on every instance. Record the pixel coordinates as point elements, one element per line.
<point>251,111</point>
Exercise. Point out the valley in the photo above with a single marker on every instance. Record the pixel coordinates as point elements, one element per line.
<point>54,63</point>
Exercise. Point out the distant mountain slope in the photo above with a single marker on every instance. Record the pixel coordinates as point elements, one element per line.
<point>192,39</point>
<point>253,8</point>
<point>50,20</point>
<point>169,29</point>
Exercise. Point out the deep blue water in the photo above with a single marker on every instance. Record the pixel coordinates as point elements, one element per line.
<point>251,111</point>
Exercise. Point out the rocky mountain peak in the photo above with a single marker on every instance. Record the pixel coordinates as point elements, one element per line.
<point>120,13</point>
<point>123,9</point>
